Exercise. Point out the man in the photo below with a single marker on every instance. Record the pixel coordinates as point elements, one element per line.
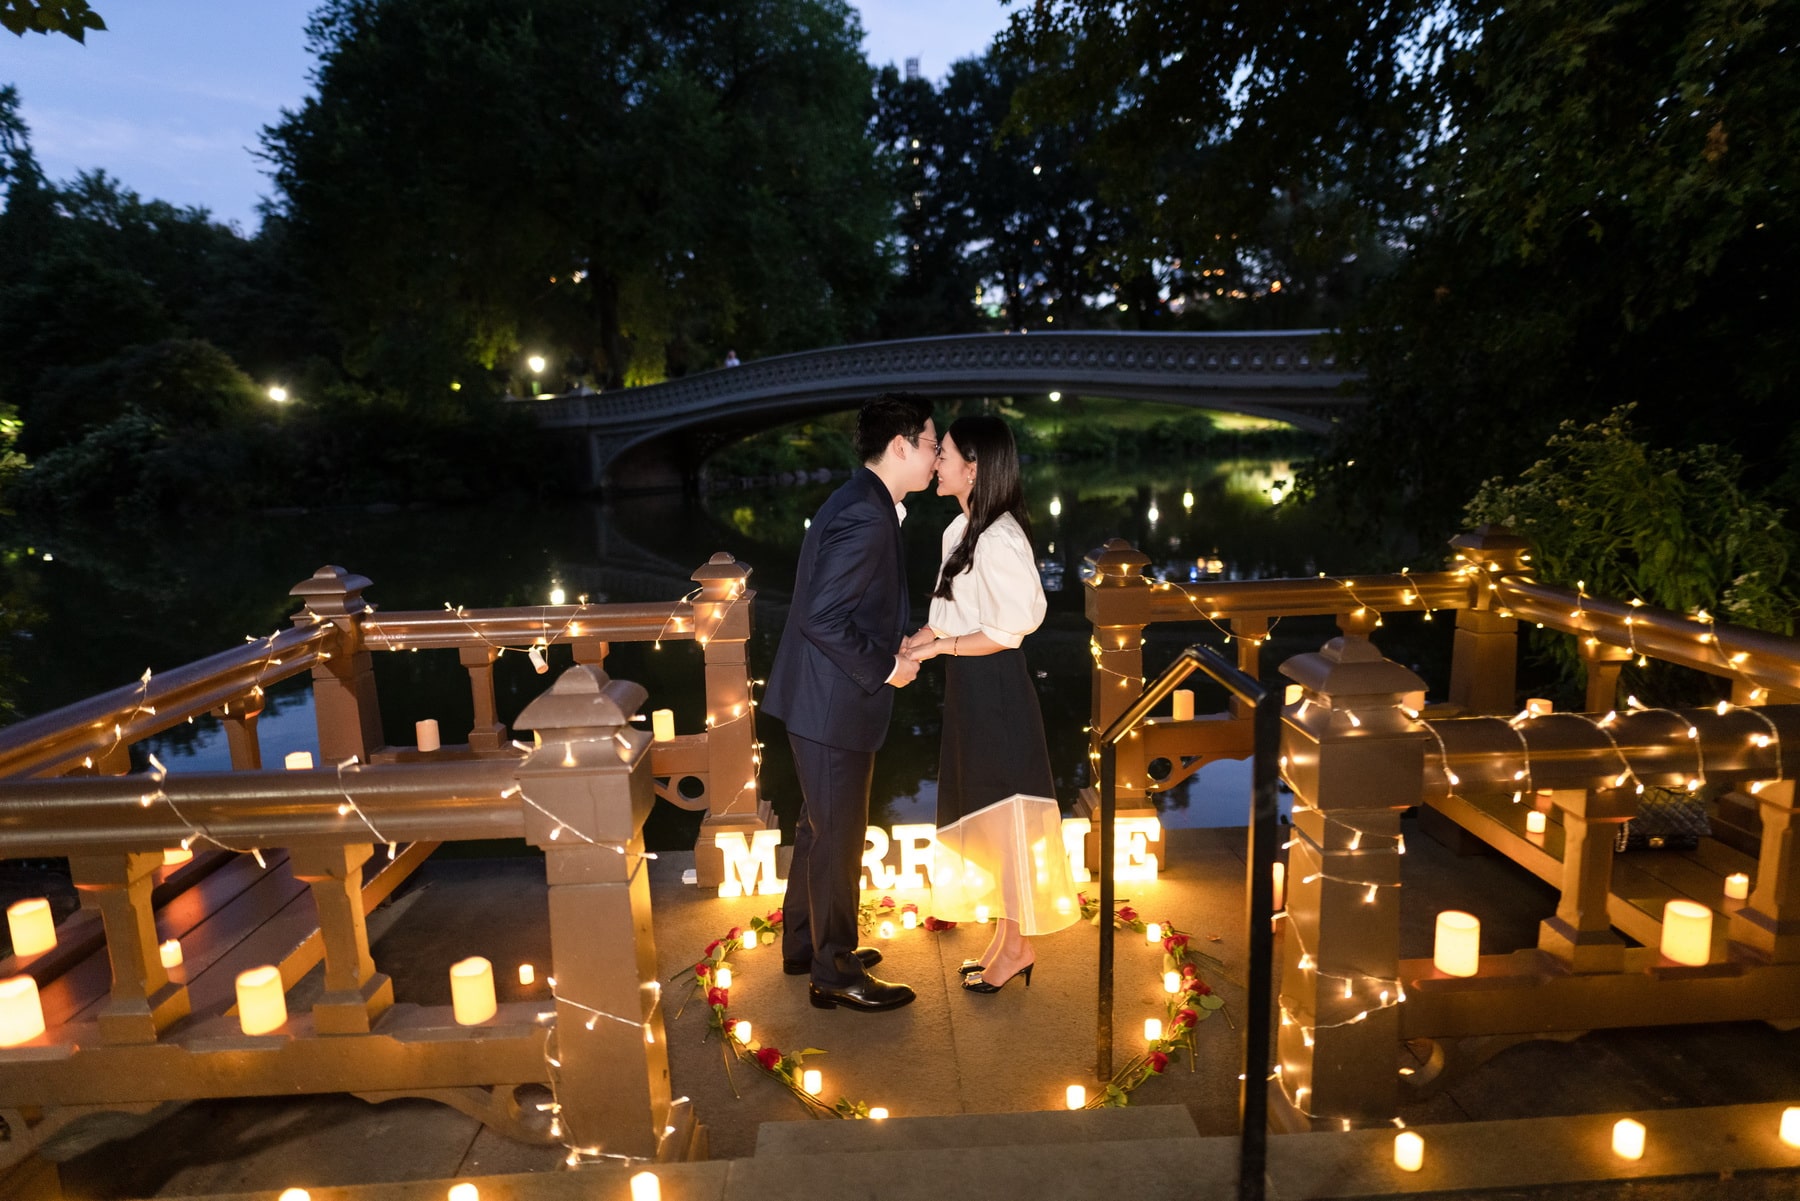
<point>832,684</point>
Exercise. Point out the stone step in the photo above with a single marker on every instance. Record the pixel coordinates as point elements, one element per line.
<point>1131,1124</point>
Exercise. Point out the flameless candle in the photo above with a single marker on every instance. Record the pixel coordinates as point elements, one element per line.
<point>1184,704</point>
<point>295,1194</point>
<point>981,915</point>
<point>909,919</point>
<point>1280,885</point>
<point>740,1030</point>
<point>171,953</point>
<point>299,761</point>
<point>1535,821</point>
<point>32,925</point>
<point>722,977</point>
<point>21,1013</point>
<point>1152,1029</point>
<point>1076,1096</point>
<point>1409,1151</point>
<point>877,1113</point>
<point>1152,932</point>
<point>472,991</point>
<point>1790,1126</point>
<point>426,734</point>
<point>747,942</point>
<point>176,856</point>
<point>1628,1139</point>
<point>527,973</point>
<point>730,890</point>
<point>1687,932</point>
<point>1737,886</point>
<point>1458,948</point>
<point>887,929</point>
<point>262,1005</point>
<point>812,1081</point>
<point>1537,706</point>
<point>662,725</point>
<point>1171,981</point>
<point>464,1192</point>
<point>646,1186</point>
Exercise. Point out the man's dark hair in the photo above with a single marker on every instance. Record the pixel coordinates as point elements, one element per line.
<point>891,413</point>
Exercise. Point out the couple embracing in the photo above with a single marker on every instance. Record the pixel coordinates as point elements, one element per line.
<point>844,650</point>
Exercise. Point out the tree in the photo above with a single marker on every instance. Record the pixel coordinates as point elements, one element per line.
<point>72,18</point>
<point>632,187</point>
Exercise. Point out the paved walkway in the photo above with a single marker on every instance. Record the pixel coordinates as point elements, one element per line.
<point>956,1054</point>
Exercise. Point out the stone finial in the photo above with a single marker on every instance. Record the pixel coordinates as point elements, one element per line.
<point>584,698</point>
<point>1118,564</point>
<point>1494,545</point>
<point>332,592</point>
<point>721,577</point>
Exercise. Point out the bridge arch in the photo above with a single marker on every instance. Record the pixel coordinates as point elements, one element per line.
<point>656,437</point>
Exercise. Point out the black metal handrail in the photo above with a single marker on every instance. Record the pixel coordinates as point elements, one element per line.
<point>1253,1143</point>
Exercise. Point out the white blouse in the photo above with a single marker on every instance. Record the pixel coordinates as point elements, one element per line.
<point>1000,595</point>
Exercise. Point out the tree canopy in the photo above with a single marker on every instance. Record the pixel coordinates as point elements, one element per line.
<point>72,18</point>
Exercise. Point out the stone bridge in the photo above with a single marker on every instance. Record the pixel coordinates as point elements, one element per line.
<point>657,437</point>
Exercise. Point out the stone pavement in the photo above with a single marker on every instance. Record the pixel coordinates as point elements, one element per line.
<point>986,1073</point>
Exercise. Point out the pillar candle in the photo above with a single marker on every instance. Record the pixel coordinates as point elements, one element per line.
<point>464,1192</point>
<point>295,1194</point>
<point>740,1030</point>
<point>170,953</point>
<point>1152,932</point>
<point>1535,822</point>
<point>1687,932</point>
<point>909,919</point>
<point>425,733</point>
<point>1790,1126</point>
<point>1537,706</point>
<point>472,991</point>
<point>1183,699</point>
<point>662,725</point>
<point>1075,1097</point>
<point>1628,1139</point>
<point>1280,886</point>
<point>1458,948</point>
<point>981,915</point>
<point>1171,982</point>
<point>1152,1029</point>
<point>299,761</point>
<point>722,977</point>
<point>21,1012</point>
<point>887,929</point>
<point>1409,1151</point>
<point>877,1113</point>
<point>261,1002</point>
<point>645,1186</point>
<point>747,941</point>
<point>812,1081</point>
<point>1737,886</point>
<point>32,925</point>
<point>527,973</point>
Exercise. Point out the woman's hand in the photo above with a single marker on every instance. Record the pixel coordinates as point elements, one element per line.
<point>930,649</point>
<point>921,637</point>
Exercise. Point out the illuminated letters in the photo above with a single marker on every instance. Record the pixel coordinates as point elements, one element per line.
<point>746,863</point>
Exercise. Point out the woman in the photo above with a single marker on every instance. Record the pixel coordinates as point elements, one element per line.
<point>999,829</point>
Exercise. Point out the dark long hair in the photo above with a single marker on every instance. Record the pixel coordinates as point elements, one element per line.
<point>988,443</point>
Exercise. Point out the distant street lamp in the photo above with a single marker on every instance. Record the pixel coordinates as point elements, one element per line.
<point>278,394</point>
<point>536,363</point>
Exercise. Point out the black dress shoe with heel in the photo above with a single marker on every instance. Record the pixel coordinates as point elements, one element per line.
<point>801,967</point>
<point>973,982</point>
<point>969,965</point>
<point>867,994</point>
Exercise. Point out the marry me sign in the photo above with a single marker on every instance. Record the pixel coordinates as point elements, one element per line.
<point>900,859</point>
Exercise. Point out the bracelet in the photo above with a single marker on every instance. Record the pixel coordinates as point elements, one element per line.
<point>953,643</point>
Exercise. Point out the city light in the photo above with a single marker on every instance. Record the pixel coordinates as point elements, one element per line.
<point>278,394</point>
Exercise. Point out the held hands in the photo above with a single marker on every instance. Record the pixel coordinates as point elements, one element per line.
<point>923,636</point>
<point>906,669</point>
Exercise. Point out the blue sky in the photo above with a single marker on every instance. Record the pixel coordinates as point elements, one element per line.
<point>171,99</point>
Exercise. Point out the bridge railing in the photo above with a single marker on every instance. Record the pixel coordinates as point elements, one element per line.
<point>1360,748</point>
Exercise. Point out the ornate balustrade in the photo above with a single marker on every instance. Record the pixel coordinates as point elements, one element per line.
<point>1360,748</point>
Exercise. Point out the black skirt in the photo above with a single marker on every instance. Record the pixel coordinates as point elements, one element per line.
<point>993,742</point>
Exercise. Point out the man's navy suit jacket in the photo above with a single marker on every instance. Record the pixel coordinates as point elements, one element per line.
<point>849,616</point>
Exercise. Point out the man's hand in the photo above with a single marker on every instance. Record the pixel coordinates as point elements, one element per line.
<point>922,636</point>
<point>906,670</point>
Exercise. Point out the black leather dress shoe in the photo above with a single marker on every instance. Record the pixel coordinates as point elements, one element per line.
<point>868,993</point>
<point>800,967</point>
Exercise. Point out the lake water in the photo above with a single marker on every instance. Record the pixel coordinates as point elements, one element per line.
<point>98,607</point>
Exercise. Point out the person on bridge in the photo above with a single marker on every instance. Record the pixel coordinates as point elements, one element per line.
<point>999,829</point>
<point>833,684</point>
<point>731,359</point>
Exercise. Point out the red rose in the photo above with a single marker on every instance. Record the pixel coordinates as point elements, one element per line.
<point>1188,969</point>
<point>703,968</point>
<point>712,946</point>
<point>887,902</point>
<point>1158,1061</point>
<point>718,998</point>
<point>1081,898</point>
<point>938,923</point>
<point>768,1057</point>
<point>909,907</point>
<point>733,933</point>
<point>1200,988</point>
<point>1173,941</point>
<point>1127,913</point>
<point>1186,1017</point>
<point>774,918</point>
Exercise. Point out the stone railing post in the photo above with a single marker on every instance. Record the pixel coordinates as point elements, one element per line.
<point>239,718</point>
<point>1117,602</point>
<point>1484,659</point>
<point>144,1000</point>
<point>488,732</point>
<point>722,628</point>
<point>1580,933</point>
<point>1355,762</point>
<point>1769,922</point>
<point>344,701</point>
<point>586,790</point>
<point>355,993</point>
<point>1603,662</point>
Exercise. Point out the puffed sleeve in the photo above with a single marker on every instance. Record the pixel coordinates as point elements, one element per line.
<point>1009,596</point>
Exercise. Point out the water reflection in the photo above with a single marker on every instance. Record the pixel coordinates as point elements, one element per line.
<point>111,604</point>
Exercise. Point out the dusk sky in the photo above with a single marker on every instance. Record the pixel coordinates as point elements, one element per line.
<point>171,99</point>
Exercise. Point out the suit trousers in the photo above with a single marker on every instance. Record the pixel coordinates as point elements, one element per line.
<point>819,911</point>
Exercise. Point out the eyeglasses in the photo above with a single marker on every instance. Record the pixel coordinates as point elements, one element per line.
<point>936,447</point>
